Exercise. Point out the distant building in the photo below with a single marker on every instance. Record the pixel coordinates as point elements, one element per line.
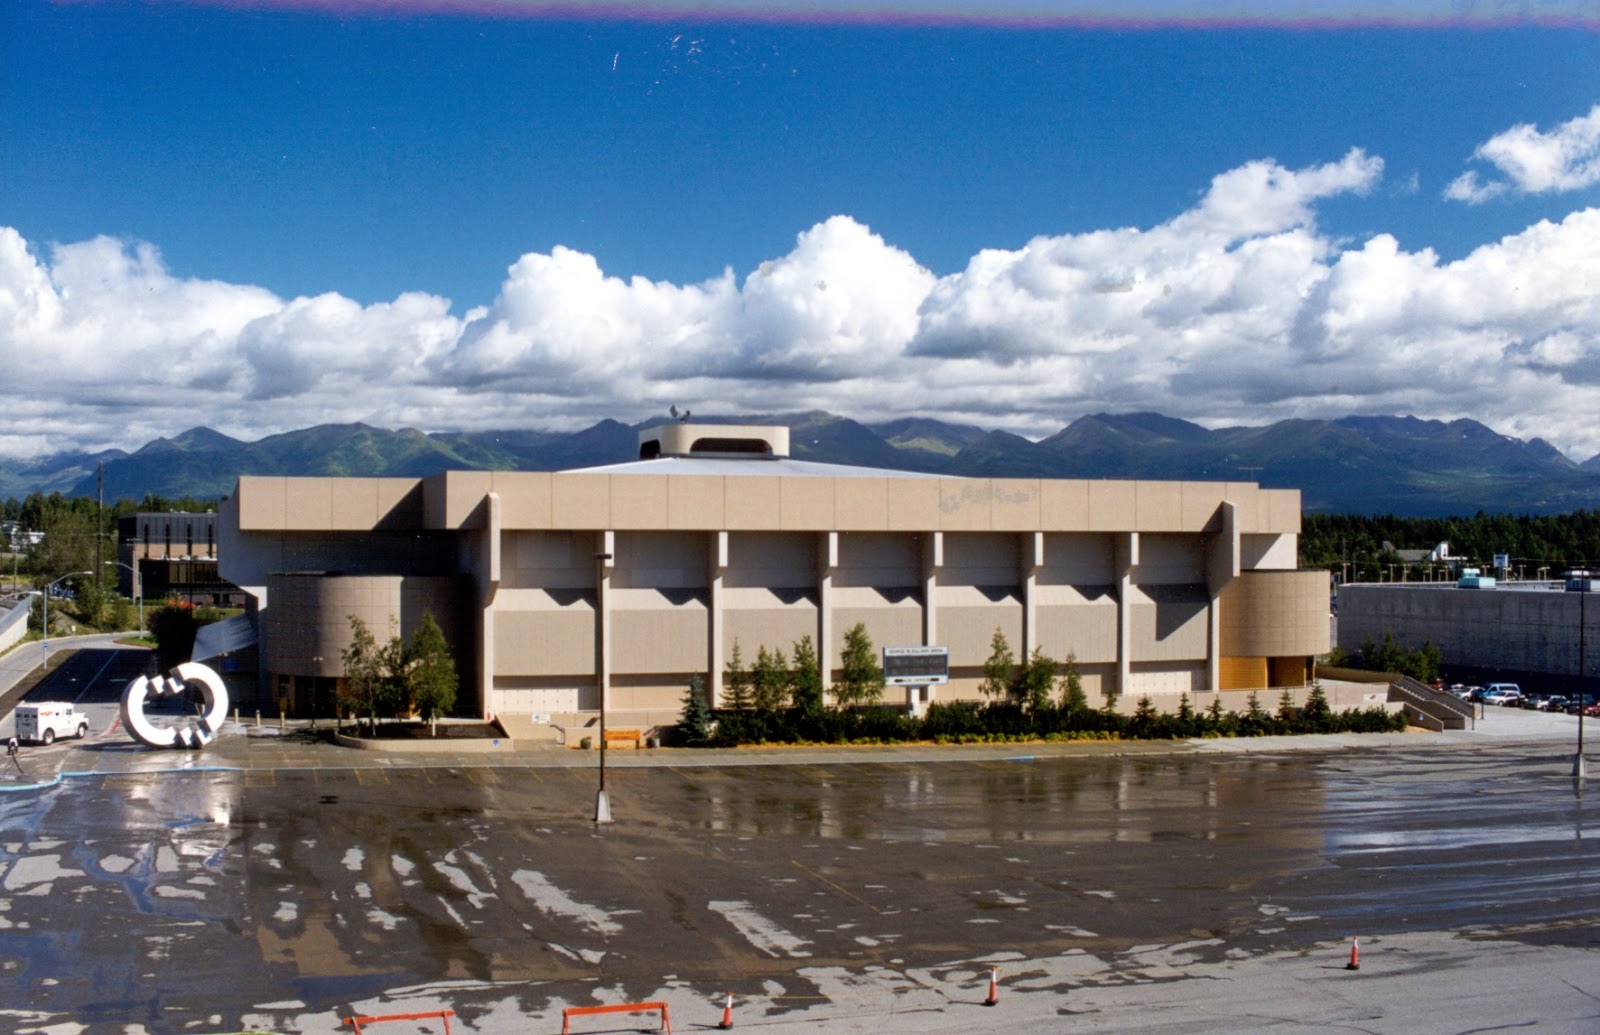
<point>18,538</point>
<point>172,554</point>
<point>1521,632</point>
<point>561,590</point>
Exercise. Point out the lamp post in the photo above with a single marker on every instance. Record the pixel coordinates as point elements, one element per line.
<point>1579,581</point>
<point>602,803</point>
<point>316,673</point>
<point>48,587</point>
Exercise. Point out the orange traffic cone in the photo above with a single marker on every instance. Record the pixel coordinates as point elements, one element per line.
<point>1355,955</point>
<point>994,987</point>
<point>727,1013</point>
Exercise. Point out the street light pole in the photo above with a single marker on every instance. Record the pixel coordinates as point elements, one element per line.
<point>1578,768</point>
<point>602,802</point>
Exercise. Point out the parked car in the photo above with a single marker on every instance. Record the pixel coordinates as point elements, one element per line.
<point>1593,711</point>
<point>1553,703</point>
<point>1578,702</point>
<point>1502,694</point>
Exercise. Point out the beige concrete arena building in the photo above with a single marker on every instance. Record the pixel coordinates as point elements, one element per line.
<point>561,590</point>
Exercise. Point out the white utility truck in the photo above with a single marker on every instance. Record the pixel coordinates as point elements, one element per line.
<point>45,721</point>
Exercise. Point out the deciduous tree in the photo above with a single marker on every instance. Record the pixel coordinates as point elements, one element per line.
<point>431,669</point>
<point>860,676</point>
<point>998,670</point>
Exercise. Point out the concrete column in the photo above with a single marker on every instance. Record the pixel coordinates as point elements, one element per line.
<point>488,589</point>
<point>1222,567</point>
<point>1126,560</point>
<point>827,564</point>
<point>1032,561</point>
<point>932,562</point>
<point>718,555</point>
<point>605,553</point>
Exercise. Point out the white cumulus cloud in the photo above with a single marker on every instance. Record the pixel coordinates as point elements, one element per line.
<point>1531,162</point>
<point>1240,310</point>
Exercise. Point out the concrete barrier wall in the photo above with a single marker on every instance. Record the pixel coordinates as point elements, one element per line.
<point>1493,630</point>
<point>14,624</point>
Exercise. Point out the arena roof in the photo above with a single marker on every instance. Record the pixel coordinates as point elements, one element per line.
<point>754,466</point>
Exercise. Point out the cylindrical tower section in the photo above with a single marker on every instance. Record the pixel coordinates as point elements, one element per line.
<point>1273,623</point>
<point>308,621</point>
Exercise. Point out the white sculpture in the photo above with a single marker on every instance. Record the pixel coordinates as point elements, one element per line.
<point>197,735</point>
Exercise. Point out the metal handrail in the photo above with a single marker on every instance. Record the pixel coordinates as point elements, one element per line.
<point>1420,692</point>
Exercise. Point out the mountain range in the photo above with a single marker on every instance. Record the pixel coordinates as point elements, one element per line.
<point>1365,465</point>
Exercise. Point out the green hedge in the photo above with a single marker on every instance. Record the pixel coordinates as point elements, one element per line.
<point>957,722</point>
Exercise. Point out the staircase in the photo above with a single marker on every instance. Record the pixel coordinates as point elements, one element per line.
<point>1430,708</point>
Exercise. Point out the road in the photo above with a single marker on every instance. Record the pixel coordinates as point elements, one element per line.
<point>273,884</point>
<point>88,671</point>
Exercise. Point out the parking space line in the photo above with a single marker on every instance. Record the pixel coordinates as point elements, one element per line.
<point>843,891</point>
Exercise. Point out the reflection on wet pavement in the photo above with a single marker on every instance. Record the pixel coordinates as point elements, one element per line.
<point>159,898</point>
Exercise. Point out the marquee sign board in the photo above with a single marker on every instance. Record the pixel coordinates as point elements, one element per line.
<point>916,666</point>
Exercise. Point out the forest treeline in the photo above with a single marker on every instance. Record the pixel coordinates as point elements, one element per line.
<point>1354,544</point>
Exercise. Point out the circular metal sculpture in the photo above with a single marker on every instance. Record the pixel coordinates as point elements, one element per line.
<point>195,735</point>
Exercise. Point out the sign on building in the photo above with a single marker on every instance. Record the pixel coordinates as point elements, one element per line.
<point>916,666</point>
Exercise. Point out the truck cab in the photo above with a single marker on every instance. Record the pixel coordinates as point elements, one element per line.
<point>45,722</point>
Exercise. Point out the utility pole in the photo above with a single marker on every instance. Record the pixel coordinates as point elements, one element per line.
<point>99,526</point>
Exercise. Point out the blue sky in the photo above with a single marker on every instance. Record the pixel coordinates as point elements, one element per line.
<point>262,215</point>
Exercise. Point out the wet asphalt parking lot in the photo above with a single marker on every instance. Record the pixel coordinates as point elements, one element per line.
<point>277,883</point>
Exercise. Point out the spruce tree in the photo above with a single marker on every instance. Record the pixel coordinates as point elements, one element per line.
<point>694,725</point>
<point>736,683</point>
<point>805,678</point>
<point>1073,699</point>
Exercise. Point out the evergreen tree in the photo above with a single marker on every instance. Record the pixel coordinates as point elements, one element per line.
<point>860,675</point>
<point>769,680</point>
<point>1073,699</point>
<point>694,725</point>
<point>1144,717</point>
<point>998,669</point>
<point>1036,680</point>
<point>736,683</point>
<point>1317,711</point>
<point>1287,712</point>
<point>805,678</point>
<point>1255,719</point>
